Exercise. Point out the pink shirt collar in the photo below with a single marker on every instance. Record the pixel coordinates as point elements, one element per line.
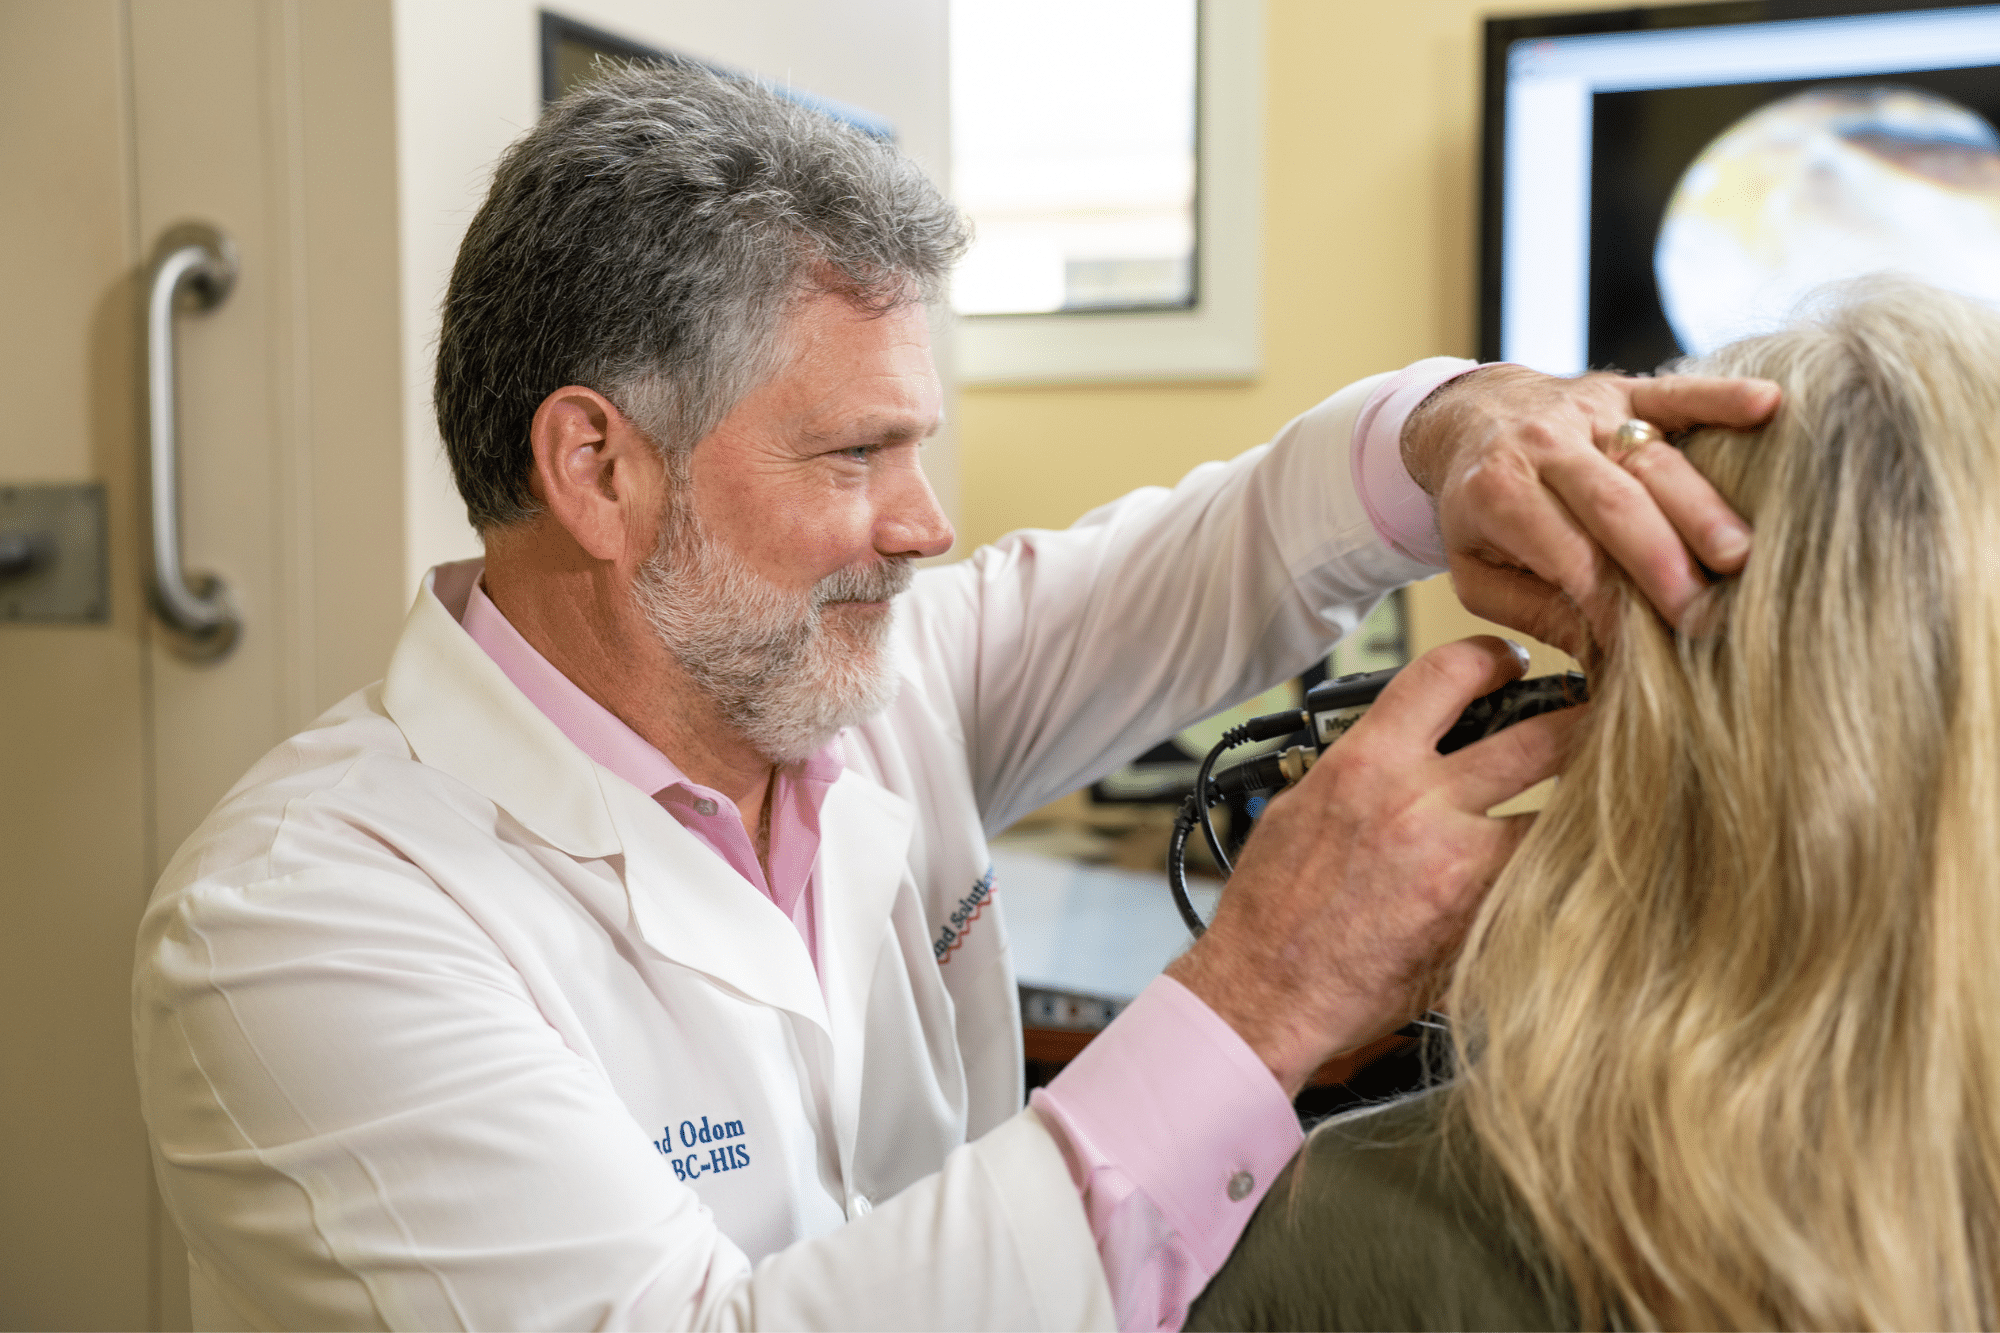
<point>704,812</point>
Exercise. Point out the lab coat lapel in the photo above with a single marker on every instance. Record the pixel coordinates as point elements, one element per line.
<point>692,908</point>
<point>865,833</point>
<point>462,716</point>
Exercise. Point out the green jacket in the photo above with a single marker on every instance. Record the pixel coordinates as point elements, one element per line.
<point>1383,1221</point>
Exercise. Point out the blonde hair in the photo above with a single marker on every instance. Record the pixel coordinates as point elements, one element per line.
<point>1730,1021</point>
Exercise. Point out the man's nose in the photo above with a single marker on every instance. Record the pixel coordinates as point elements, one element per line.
<point>912,523</point>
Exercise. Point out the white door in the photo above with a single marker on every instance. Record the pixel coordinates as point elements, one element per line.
<point>271,119</point>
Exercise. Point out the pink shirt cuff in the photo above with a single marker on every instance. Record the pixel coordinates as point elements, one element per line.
<point>1400,511</point>
<point>1174,1129</point>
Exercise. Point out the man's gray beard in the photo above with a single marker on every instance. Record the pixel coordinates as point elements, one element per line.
<point>780,673</point>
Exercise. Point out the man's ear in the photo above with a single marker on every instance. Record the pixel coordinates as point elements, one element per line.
<point>596,473</point>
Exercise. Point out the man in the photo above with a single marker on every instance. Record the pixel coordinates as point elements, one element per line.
<point>631,957</point>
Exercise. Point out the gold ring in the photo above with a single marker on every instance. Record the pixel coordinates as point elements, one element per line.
<point>1633,433</point>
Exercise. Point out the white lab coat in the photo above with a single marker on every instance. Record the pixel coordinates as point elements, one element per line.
<point>440,1024</point>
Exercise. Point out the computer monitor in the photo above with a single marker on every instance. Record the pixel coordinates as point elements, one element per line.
<point>1662,181</point>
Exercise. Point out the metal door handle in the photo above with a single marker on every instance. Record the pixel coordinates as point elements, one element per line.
<point>198,260</point>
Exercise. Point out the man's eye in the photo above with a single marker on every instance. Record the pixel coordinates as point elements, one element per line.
<point>860,453</point>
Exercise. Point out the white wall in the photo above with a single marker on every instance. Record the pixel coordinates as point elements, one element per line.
<point>468,82</point>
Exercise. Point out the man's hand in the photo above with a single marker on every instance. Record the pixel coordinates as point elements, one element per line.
<point>1360,881</point>
<point>1530,503</point>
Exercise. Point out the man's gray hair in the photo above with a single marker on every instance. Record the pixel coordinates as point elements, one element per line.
<point>646,239</point>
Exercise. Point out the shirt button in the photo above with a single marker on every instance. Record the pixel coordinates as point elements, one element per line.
<point>859,1206</point>
<point>1240,1186</point>
<point>704,806</point>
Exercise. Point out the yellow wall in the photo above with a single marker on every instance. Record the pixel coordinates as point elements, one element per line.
<point>1371,192</point>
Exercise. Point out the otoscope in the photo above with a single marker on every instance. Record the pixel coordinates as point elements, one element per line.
<point>1332,707</point>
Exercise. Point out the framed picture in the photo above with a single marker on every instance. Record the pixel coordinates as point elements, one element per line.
<point>572,50</point>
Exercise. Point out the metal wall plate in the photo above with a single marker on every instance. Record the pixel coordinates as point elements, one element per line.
<point>67,579</point>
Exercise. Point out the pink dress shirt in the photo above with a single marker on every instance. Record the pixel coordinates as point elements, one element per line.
<point>1165,1104</point>
<point>1397,507</point>
<point>708,814</point>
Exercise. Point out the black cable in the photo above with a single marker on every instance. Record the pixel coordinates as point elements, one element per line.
<point>1206,798</point>
<point>1194,810</point>
<point>1177,867</point>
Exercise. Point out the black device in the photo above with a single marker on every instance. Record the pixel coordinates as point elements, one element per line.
<point>1331,708</point>
<point>1164,775</point>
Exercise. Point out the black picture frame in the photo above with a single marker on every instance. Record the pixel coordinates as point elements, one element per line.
<point>569,45</point>
<point>562,35</point>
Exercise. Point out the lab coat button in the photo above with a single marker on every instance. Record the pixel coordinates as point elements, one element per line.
<point>1240,1186</point>
<point>858,1206</point>
<point>704,806</point>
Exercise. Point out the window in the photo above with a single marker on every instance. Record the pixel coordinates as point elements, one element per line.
<point>1082,191</point>
<point>1107,153</point>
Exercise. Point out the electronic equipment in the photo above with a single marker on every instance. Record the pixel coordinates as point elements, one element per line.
<point>1331,708</point>
<point>1661,181</point>
<point>1164,775</point>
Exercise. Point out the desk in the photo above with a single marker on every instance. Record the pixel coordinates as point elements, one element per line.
<point>1087,939</point>
<point>1090,930</point>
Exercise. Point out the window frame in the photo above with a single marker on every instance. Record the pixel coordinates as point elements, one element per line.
<point>1219,337</point>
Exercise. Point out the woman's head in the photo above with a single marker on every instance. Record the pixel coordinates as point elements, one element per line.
<point>1731,1018</point>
